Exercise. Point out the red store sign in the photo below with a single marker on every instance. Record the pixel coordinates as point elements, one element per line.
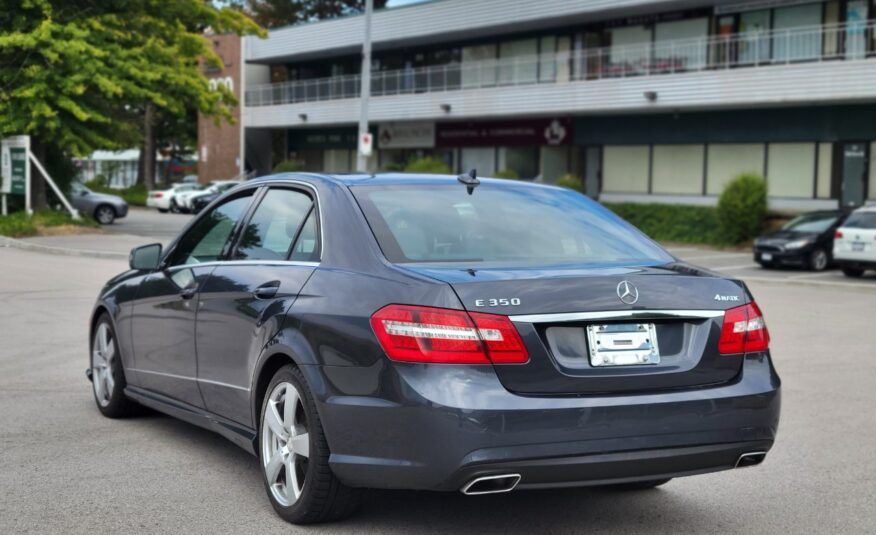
<point>504,133</point>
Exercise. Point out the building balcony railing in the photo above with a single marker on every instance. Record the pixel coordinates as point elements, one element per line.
<point>850,41</point>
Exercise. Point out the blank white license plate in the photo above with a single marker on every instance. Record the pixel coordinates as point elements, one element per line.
<point>858,246</point>
<point>767,257</point>
<point>623,344</point>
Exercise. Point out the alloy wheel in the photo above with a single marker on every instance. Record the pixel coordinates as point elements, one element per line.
<point>103,356</point>
<point>105,215</point>
<point>819,260</point>
<point>285,444</point>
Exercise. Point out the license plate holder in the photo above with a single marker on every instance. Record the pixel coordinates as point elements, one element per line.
<point>767,257</point>
<point>623,344</point>
<point>858,246</point>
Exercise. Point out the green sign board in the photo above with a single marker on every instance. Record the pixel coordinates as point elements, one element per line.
<point>18,165</point>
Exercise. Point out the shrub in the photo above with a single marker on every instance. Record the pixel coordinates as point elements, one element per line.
<point>676,223</point>
<point>508,173</point>
<point>290,166</point>
<point>134,195</point>
<point>742,208</point>
<point>570,181</point>
<point>428,165</point>
<point>394,167</point>
<point>18,224</point>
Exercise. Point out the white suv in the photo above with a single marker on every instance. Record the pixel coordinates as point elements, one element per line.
<point>854,248</point>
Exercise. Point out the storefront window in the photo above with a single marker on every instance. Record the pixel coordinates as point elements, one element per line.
<point>678,169</point>
<point>797,33</point>
<point>522,160</point>
<point>728,160</point>
<point>547,64</point>
<point>680,45</point>
<point>625,168</point>
<point>791,169</point>
<point>481,158</point>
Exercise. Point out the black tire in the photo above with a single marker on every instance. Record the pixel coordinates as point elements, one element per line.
<point>105,214</point>
<point>766,265</point>
<point>323,497</point>
<point>853,272</point>
<point>640,485</point>
<point>174,208</point>
<point>162,210</point>
<point>115,404</point>
<point>819,260</point>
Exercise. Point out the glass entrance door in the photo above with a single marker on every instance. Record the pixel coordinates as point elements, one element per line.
<point>854,173</point>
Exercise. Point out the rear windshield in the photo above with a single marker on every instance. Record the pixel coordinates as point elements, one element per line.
<point>865,220</point>
<point>500,224</point>
<point>811,223</point>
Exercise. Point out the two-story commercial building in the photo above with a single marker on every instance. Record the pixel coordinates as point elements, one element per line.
<point>645,100</point>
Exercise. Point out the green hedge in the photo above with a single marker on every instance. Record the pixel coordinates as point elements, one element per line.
<point>674,223</point>
<point>135,195</point>
<point>742,208</point>
<point>428,165</point>
<point>19,225</point>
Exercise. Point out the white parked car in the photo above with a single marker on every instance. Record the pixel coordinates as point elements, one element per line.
<point>165,200</point>
<point>184,199</point>
<point>854,247</point>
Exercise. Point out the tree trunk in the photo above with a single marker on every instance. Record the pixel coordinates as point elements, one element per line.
<point>148,153</point>
<point>38,196</point>
<point>141,174</point>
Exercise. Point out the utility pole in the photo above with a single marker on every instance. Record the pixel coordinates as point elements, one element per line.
<point>365,79</point>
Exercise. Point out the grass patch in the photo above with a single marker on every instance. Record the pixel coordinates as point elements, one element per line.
<point>19,225</point>
<point>673,223</point>
<point>134,196</point>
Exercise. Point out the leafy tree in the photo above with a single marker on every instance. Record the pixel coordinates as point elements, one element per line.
<point>275,13</point>
<point>74,74</point>
<point>743,207</point>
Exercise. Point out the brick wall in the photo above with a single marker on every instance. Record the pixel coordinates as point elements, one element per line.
<point>219,146</point>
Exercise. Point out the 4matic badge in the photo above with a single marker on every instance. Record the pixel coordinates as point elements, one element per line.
<point>719,297</point>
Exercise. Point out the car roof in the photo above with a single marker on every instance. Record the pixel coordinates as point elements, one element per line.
<point>867,208</point>
<point>389,179</point>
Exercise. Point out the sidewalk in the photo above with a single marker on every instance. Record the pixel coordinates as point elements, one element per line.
<point>92,245</point>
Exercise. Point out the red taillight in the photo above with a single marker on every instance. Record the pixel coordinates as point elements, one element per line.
<point>410,333</point>
<point>744,331</point>
<point>838,234</point>
<point>158,195</point>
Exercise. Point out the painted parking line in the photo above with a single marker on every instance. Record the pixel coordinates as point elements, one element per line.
<point>811,282</point>
<point>715,256</point>
<point>732,268</point>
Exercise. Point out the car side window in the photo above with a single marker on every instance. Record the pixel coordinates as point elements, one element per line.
<point>307,247</point>
<point>205,241</point>
<point>274,225</point>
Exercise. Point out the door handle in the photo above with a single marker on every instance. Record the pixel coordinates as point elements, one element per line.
<point>188,293</point>
<point>266,290</point>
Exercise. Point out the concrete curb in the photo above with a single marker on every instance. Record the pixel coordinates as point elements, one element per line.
<point>40,248</point>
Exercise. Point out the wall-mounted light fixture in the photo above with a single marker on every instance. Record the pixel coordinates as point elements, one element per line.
<point>650,96</point>
<point>446,108</point>
<point>303,117</point>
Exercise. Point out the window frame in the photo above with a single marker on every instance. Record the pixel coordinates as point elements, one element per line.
<point>257,201</point>
<point>171,251</point>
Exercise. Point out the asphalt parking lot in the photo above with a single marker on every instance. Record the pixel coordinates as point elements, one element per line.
<point>64,468</point>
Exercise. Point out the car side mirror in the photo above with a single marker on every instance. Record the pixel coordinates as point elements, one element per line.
<point>145,257</point>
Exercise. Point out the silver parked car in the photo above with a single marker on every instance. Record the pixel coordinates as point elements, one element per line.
<point>105,208</point>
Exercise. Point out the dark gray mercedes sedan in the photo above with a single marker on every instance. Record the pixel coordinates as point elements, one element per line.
<point>436,332</point>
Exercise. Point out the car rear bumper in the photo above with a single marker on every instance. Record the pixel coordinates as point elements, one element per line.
<point>457,423</point>
<point>856,264</point>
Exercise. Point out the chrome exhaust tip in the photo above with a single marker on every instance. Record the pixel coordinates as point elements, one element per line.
<point>752,458</point>
<point>491,484</point>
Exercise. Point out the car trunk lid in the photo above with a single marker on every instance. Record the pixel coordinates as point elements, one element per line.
<point>553,308</point>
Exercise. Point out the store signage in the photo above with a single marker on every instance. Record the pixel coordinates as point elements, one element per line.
<point>15,168</point>
<point>532,132</point>
<point>406,136</point>
<point>324,138</point>
<point>366,144</point>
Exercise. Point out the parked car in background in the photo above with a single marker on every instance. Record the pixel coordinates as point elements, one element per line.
<point>199,201</point>
<point>103,207</point>
<point>805,241</point>
<point>185,199</point>
<point>164,200</point>
<point>190,179</point>
<point>854,247</point>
